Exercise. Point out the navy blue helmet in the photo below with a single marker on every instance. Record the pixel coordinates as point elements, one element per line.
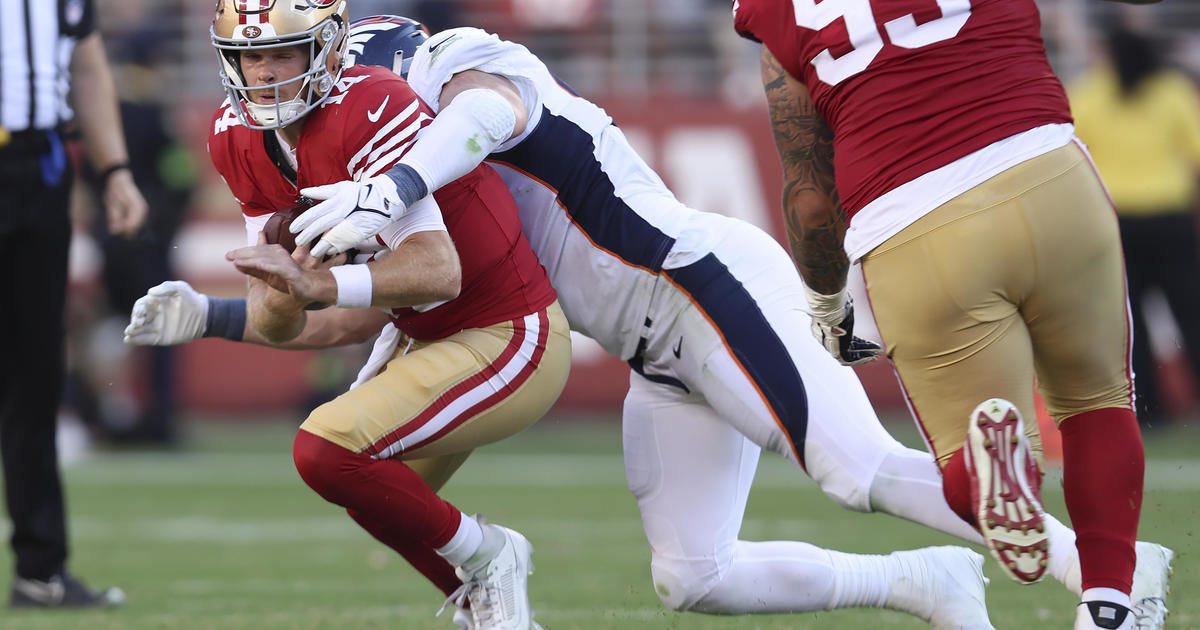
<point>385,40</point>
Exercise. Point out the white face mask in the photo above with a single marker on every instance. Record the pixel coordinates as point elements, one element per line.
<point>316,82</point>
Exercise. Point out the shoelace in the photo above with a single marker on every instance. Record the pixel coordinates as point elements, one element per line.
<point>1150,613</point>
<point>484,605</point>
<point>457,598</point>
<point>483,608</point>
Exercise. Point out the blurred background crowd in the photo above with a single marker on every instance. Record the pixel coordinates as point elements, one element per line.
<point>688,92</point>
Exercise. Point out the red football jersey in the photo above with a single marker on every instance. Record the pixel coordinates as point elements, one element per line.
<point>369,121</point>
<point>909,86</point>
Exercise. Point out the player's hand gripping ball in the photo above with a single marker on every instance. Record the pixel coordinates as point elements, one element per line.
<point>276,230</point>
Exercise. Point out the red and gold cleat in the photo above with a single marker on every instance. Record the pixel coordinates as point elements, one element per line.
<point>1006,490</point>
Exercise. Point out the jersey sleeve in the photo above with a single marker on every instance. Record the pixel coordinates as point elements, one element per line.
<point>423,216</point>
<point>381,119</point>
<point>456,50</point>
<point>743,19</point>
<point>450,52</point>
<point>254,225</point>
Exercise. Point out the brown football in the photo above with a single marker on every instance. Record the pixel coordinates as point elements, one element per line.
<point>277,227</point>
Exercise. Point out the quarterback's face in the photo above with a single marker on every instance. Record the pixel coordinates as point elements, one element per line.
<point>269,66</point>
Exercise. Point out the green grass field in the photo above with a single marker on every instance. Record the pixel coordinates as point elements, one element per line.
<point>224,536</point>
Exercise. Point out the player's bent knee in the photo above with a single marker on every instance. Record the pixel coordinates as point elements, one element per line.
<point>679,584</point>
<point>846,491</point>
<point>319,462</point>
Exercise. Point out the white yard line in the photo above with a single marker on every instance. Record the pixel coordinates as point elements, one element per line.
<point>482,470</point>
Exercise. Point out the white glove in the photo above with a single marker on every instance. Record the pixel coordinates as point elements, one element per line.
<point>833,326</point>
<point>349,213</point>
<point>169,314</point>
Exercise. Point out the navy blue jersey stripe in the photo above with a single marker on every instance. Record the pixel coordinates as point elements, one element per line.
<point>748,335</point>
<point>562,155</point>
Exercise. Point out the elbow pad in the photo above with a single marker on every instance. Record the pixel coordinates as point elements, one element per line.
<point>465,132</point>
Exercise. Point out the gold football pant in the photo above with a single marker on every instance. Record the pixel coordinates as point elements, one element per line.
<point>435,401</point>
<point>1020,276</point>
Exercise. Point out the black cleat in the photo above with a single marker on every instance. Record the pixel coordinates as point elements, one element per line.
<point>61,591</point>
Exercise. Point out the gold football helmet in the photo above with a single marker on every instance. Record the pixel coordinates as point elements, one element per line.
<point>242,25</point>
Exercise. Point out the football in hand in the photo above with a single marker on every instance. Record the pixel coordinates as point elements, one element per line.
<point>277,229</point>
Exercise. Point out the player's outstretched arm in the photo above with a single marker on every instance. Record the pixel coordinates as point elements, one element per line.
<point>423,268</point>
<point>478,112</point>
<point>174,313</point>
<point>813,216</point>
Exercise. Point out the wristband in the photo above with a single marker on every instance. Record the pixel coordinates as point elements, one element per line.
<point>410,188</point>
<point>825,307</point>
<point>108,172</point>
<point>226,318</point>
<point>354,289</point>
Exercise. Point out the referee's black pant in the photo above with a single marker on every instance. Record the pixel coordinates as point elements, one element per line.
<point>1161,253</point>
<point>35,183</point>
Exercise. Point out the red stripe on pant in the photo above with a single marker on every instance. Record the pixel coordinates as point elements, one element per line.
<point>510,388</point>
<point>456,392</point>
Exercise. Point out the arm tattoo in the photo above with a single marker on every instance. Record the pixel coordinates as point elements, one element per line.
<point>812,210</point>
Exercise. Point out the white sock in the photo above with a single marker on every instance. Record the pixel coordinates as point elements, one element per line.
<point>860,580</point>
<point>908,484</point>
<point>1064,557</point>
<point>1110,595</point>
<point>464,544</point>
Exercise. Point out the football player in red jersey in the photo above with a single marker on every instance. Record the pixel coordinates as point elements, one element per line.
<point>933,143</point>
<point>477,348</point>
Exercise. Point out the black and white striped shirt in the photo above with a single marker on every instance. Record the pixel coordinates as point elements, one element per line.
<point>36,41</point>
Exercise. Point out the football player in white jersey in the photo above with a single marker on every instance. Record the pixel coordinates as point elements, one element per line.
<point>708,310</point>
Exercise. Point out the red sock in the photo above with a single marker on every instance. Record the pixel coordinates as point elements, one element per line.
<point>385,491</point>
<point>422,557</point>
<point>956,487</point>
<point>1103,467</point>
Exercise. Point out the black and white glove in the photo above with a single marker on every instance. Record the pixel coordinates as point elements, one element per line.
<point>833,326</point>
<point>349,213</point>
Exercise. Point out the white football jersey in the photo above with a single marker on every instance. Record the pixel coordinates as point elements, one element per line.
<point>599,218</point>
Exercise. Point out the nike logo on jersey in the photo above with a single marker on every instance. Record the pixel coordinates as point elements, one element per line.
<point>678,349</point>
<point>373,116</point>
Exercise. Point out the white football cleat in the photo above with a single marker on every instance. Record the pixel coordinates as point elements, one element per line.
<point>498,589</point>
<point>1005,484</point>
<point>941,585</point>
<point>1103,616</point>
<point>462,619</point>
<point>1151,583</point>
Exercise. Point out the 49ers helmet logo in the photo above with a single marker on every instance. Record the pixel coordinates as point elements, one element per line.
<point>251,32</point>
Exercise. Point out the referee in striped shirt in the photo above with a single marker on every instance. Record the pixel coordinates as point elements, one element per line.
<point>52,69</point>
